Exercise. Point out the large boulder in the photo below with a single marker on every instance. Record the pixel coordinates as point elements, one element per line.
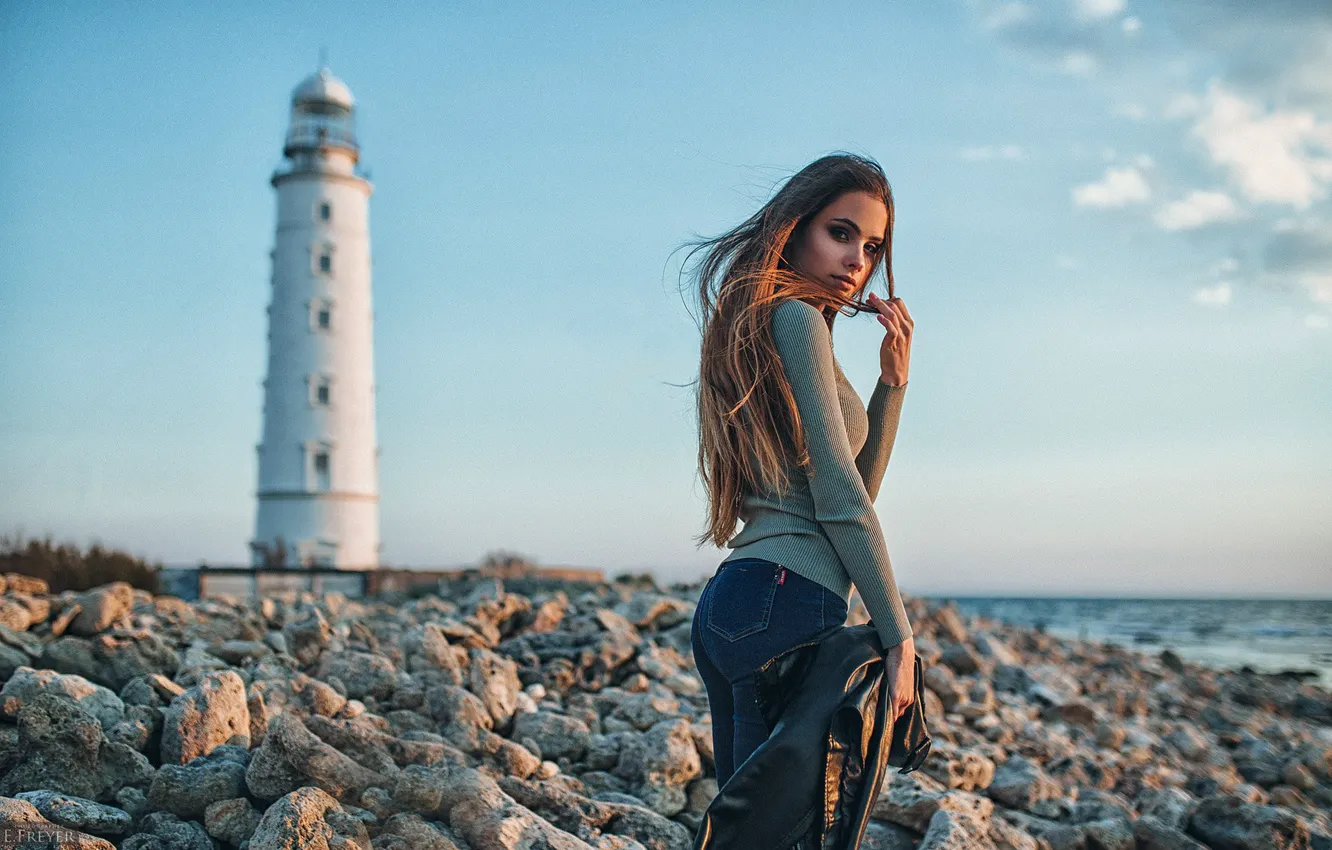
<point>187,790</point>
<point>30,831</point>
<point>122,657</point>
<point>165,831</point>
<point>1231,823</point>
<point>308,819</point>
<point>365,674</point>
<point>231,821</point>
<point>17,649</point>
<point>27,683</point>
<point>14,615</point>
<point>961,827</point>
<point>308,637</point>
<point>416,833</point>
<point>101,607</point>
<point>462,715</point>
<point>78,812</point>
<point>20,583</point>
<point>428,650</point>
<point>660,763</point>
<point>292,757</point>
<point>494,679</point>
<point>74,655</point>
<point>1150,833</point>
<point>203,718</point>
<point>489,819</point>
<point>62,748</point>
<point>1020,783</point>
<point>603,821</point>
<point>556,735</point>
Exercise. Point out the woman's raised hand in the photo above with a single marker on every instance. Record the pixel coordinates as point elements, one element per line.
<point>895,350</point>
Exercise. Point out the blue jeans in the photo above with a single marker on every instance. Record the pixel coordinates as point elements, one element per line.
<point>751,611</point>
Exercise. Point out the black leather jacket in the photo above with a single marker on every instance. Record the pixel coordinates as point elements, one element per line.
<point>813,782</point>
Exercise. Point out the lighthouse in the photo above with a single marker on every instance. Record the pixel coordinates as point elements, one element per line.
<point>318,492</point>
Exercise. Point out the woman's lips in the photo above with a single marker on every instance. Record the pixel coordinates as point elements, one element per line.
<point>846,282</point>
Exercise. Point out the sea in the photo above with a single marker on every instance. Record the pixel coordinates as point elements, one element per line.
<point>1267,635</point>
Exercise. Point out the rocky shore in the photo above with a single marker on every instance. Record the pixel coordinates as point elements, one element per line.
<point>486,719</point>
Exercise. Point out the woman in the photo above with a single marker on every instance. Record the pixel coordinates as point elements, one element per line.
<point>785,443</point>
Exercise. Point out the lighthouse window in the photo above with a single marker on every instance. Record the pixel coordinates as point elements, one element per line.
<point>325,212</point>
<point>321,390</point>
<point>321,314</point>
<point>325,262</point>
<point>321,471</point>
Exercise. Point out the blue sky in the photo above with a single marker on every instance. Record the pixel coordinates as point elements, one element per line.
<point>1114,234</point>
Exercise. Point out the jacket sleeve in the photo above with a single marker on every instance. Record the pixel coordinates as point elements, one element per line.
<point>842,505</point>
<point>885,410</point>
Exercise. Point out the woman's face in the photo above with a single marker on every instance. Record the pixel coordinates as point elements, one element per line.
<point>838,247</point>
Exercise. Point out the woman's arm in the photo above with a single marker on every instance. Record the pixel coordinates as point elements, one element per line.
<point>842,504</point>
<point>885,410</point>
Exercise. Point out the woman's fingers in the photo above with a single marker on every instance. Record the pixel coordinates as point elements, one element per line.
<point>893,314</point>
<point>899,706</point>
<point>907,321</point>
<point>901,661</point>
<point>896,333</point>
<point>888,315</point>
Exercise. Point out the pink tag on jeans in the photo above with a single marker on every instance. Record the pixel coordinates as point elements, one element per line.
<point>781,577</point>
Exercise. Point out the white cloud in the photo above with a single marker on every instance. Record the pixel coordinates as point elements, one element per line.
<point>1197,209</point>
<point>1213,296</point>
<point>1260,132</point>
<point>1271,157</point>
<point>1317,321</point>
<point>1077,37</point>
<point>1078,62</point>
<point>989,153</point>
<point>1006,15</point>
<point>1256,47</point>
<point>1119,187</point>
<point>1094,9</point>
<point>1260,48</point>
<point>1319,287</point>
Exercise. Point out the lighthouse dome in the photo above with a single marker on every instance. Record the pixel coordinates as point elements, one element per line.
<point>322,88</point>
<point>322,118</point>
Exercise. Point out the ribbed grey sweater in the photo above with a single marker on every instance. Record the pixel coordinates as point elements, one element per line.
<point>824,527</point>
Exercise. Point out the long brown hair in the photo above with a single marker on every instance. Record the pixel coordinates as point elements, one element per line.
<point>748,426</point>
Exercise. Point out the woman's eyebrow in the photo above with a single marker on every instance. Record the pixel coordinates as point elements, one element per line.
<point>855,227</point>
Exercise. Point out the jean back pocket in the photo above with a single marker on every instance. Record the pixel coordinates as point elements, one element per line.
<point>741,602</point>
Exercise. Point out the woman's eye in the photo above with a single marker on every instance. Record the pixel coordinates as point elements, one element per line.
<point>838,232</point>
<point>873,249</point>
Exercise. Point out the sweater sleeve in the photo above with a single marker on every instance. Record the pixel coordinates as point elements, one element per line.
<point>842,505</point>
<point>885,410</point>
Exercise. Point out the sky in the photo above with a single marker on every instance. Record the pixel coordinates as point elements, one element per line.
<point>1114,234</point>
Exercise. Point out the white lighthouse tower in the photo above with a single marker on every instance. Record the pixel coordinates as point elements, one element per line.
<point>318,462</point>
